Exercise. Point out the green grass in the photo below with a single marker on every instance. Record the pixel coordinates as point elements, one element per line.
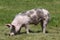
<point>9,8</point>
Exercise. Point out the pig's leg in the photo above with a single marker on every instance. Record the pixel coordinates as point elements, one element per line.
<point>17,29</point>
<point>43,25</point>
<point>27,29</point>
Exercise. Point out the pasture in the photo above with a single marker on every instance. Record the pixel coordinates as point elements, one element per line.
<point>9,8</point>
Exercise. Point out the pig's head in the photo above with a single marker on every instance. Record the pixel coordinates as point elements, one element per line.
<point>12,29</point>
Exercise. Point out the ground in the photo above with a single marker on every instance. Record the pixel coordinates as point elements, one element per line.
<point>9,8</point>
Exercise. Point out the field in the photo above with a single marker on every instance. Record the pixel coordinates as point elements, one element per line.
<point>9,8</point>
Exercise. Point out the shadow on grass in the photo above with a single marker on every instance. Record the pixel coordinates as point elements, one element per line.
<point>30,31</point>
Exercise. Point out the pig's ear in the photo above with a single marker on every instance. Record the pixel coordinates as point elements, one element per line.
<point>8,25</point>
<point>13,26</point>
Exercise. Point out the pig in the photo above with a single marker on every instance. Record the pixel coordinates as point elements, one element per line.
<point>24,19</point>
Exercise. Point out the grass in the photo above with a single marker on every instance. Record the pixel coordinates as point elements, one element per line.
<point>9,8</point>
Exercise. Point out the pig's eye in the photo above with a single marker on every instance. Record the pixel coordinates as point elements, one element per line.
<point>13,28</point>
